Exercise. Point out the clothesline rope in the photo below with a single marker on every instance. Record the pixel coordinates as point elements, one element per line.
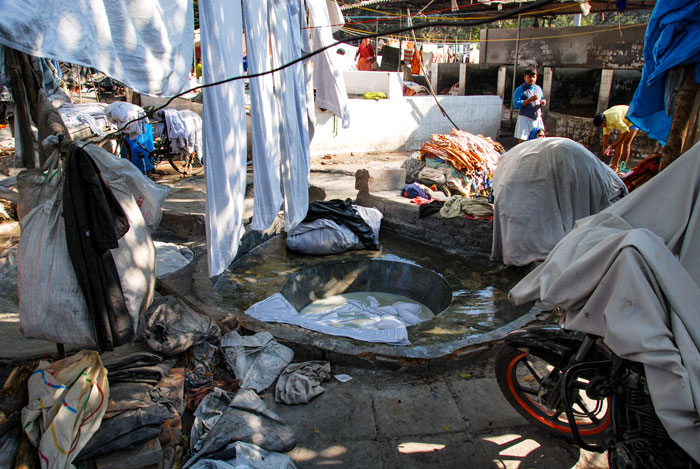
<point>305,57</point>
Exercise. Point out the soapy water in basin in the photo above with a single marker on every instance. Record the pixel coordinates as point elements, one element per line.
<point>367,310</point>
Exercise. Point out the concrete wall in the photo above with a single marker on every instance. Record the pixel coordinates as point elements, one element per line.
<point>359,83</point>
<point>618,49</point>
<point>581,129</point>
<point>402,124</point>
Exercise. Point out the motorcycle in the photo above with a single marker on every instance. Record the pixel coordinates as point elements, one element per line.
<point>573,386</point>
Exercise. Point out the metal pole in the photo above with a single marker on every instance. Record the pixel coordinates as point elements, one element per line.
<point>515,63</point>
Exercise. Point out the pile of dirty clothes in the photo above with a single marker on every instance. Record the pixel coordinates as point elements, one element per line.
<point>452,174</point>
<point>641,173</point>
<point>187,393</point>
<point>184,129</point>
<point>91,114</point>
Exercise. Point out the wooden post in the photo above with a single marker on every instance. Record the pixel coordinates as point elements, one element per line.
<point>515,63</point>
<point>25,139</point>
<point>681,118</point>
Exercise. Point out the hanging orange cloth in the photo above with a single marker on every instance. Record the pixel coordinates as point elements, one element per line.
<point>416,61</point>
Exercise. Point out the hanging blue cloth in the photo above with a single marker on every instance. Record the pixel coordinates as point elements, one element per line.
<point>671,40</point>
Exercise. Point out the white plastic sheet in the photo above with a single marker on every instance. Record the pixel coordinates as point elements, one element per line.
<point>631,274</point>
<point>276,308</point>
<point>541,188</point>
<point>147,46</point>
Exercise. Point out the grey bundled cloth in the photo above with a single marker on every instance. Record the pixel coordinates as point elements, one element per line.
<point>221,420</point>
<point>301,382</point>
<point>125,430</point>
<point>245,455</point>
<point>631,274</point>
<point>170,326</point>
<point>135,363</point>
<point>542,187</point>
<point>257,360</point>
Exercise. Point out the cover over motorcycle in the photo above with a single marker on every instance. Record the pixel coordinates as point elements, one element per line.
<point>631,274</point>
<point>542,187</point>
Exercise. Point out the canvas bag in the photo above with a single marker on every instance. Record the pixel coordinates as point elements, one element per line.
<point>67,400</point>
<point>51,304</point>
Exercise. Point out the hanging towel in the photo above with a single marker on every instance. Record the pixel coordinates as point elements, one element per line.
<point>292,106</point>
<point>265,121</point>
<point>330,84</point>
<point>224,130</point>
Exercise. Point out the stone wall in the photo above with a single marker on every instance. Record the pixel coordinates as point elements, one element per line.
<point>604,47</point>
<point>581,129</point>
<point>458,234</point>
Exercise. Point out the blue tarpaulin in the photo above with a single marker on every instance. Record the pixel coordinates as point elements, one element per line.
<point>672,39</point>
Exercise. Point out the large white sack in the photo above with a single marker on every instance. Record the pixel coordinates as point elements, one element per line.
<point>324,236</point>
<point>51,304</point>
<point>121,174</point>
<point>541,188</point>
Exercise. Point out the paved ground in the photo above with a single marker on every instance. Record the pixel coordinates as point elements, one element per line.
<point>384,419</point>
<point>381,418</point>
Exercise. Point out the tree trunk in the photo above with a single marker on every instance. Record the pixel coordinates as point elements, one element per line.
<point>681,118</point>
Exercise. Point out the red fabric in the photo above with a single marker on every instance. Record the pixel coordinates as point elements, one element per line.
<point>489,218</point>
<point>420,201</point>
<point>366,54</point>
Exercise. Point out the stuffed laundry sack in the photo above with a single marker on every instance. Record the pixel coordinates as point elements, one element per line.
<point>67,400</point>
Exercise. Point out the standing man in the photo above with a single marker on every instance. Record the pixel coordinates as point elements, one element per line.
<point>529,99</point>
<point>615,118</point>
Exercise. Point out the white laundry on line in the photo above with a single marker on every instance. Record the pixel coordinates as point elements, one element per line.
<point>145,45</point>
<point>330,85</point>
<point>264,117</point>
<point>224,130</point>
<point>291,100</point>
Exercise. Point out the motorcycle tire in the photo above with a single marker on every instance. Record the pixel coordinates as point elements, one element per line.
<point>520,376</point>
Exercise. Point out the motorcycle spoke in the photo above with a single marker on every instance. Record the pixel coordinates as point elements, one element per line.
<point>587,412</point>
<point>534,392</point>
<point>533,372</point>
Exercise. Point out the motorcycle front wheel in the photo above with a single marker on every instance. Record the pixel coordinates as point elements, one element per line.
<point>526,380</point>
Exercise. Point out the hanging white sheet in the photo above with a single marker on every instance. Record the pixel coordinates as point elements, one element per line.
<point>330,85</point>
<point>264,118</point>
<point>292,105</point>
<point>145,45</point>
<point>224,130</point>
<point>631,274</point>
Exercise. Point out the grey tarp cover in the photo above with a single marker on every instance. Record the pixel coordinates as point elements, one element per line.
<point>246,455</point>
<point>170,326</point>
<point>631,274</point>
<point>148,46</point>
<point>257,360</point>
<point>542,187</point>
<point>221,419</point>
